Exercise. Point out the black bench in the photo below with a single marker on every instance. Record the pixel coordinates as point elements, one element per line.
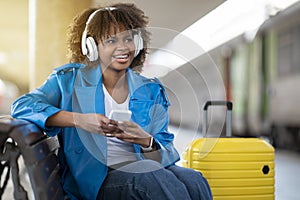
<point>20,137</point>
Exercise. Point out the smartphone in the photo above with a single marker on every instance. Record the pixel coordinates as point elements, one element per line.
<point>120,115</point>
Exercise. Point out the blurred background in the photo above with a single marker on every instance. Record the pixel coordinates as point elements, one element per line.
<point>247,52</point>
<point>244,51</point>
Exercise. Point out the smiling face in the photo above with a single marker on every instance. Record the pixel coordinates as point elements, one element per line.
<point>116,50</point>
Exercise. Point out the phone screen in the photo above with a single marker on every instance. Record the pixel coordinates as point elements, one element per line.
<point>120,115</point>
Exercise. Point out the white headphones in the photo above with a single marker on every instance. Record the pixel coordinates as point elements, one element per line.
<point>88,44</point>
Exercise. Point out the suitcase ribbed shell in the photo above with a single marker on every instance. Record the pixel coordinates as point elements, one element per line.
<point>236,168</point>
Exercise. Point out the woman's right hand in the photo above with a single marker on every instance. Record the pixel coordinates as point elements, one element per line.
<point>95,123</point>
<point>90,122</point>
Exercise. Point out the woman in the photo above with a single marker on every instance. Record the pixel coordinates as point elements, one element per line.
<point>102,158</point>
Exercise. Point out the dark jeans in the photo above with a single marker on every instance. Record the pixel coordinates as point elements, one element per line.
<point>147,179</point>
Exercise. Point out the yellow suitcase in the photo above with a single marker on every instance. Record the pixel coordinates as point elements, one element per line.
<point>236,168</point>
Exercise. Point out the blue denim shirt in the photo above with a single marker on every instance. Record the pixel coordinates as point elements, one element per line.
<point>82,156</point>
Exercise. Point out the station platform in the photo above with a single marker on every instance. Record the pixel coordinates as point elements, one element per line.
<point>287,169</point>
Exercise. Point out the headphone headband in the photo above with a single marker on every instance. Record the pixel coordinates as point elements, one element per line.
<point>96,11</point>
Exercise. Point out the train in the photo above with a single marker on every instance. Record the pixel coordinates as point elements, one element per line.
<point>260,76</point>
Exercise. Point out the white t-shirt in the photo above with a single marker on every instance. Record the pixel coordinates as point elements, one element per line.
<point>117,150</point>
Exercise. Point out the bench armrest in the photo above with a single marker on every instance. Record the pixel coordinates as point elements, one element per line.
<point>39,154</point>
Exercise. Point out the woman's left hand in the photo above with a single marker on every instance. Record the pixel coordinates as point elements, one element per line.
<point>132,132</point>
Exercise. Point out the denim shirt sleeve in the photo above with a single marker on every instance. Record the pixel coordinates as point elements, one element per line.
<point>158,127</point>
<point>39,104</point>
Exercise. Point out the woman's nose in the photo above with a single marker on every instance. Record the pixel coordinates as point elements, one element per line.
<point>121,44</point>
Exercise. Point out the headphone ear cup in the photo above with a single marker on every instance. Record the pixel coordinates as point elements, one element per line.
<point>92,51</point>
<point>138,42</point>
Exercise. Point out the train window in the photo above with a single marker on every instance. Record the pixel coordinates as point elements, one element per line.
<point>289,51</point>
<point>284,44</point>
<point>296,49</point>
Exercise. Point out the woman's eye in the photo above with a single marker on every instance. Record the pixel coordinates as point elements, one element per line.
<point>127,40</point>
<point>110,41</point>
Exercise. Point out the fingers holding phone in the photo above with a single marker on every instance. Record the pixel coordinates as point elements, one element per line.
<point>115,116</point>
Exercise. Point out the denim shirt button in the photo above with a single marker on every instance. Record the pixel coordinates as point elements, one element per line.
<point>78,150</point>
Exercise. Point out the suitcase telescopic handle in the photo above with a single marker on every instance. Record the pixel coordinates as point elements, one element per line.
<point>228,104</point>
